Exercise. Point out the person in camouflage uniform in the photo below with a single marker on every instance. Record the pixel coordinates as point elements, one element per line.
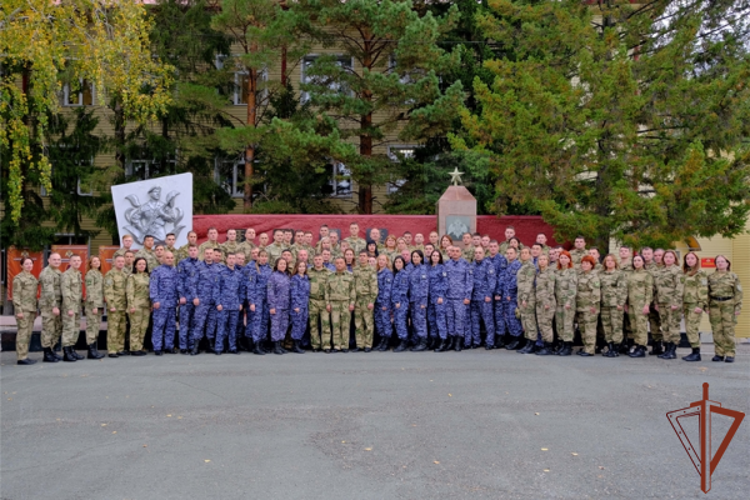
<point>163,296</point>
<point>117,302</point>
<point>230,245</point>
<point>725,304</point>
<point>670,282</point>
<point>545,303</point>
<point>152,259</point>
<point>184,251</point>
<point>25,286</point>
<point>139,305</point>
<point>579,252</point>
<point>212,243</point>
<point>468,252</point>
<point>50,302</point>
<point>654,266</point>
<point>275,249</point>
<point>366,288</point>
<point>94,306</point>
<point>614,296</point>
<point>527,300</point>
<point>640,295</point>
<point>695,301</point>
<point>72,296</point>
<point>246,247</point>
<point>626,267</point>
<point>127,242</point>
<point>340,297</point>
<point>588,299</point>
<point>320,336</point>
<point>566,287</point>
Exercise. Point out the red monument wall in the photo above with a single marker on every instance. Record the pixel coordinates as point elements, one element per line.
<point>527,227</point>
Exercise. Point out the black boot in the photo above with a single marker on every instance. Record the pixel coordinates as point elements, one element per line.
<point>49,356</point>
<point>421,345</point>
<point>296,348</point>
<point>638,352</point>
<point>546,350</point>
<point>26,361</point>
<point>499,341</point>
<point>567,349</point>
<point>443,345</point>
<point>610,350</point>
<point>693,356</point>
<point>195,351</point>
<point>668,351</point>
<point>458,344</point>
<point>277,348</point>
<point>94,353</point>
<point>54,352</point>
<point>514,344</point>
<point>526,349</point>
<point>615,350</point>
<point>402,345</point>
<point>68,355</point>
<point>657,349</point>
<point>625,346</point>
<point>717,358</point>
<point>258,350</point>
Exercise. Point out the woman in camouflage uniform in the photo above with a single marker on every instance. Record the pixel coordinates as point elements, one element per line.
<point>640,294</point>
<point>669,286</point>
<point>588,298</point>
<point>614,290</point>
<point>139,305</point>
<point>94,305</point>
<point>566,284</point>
<point>695,301</point>
<point>24,301</point>
<point>545,303</point>
<point>725,304</point>
<point>525,279</point>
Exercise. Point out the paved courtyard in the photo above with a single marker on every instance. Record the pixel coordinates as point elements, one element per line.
<point>475,425</point>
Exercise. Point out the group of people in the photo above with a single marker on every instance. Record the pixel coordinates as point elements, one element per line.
<point>404,292</point>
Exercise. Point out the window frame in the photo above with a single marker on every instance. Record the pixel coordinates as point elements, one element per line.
<point>342,58</point>
<point>392,186</point>
<point>67,94</point>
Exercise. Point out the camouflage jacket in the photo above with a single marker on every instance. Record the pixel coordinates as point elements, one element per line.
<point>94,289</point>
<point>670,282</point>
<point>207,244</point>
<point>566,287</point>
<point>318,280</point>
<point>115,284</point>
<point>640,288</point>
<point>51,281</point>
<point>614,288</point>
<point>150,257</point>
<point>357,244</point>
<point>725,284</point>
<point>695,293</point>
<point>137,290</point>
<point>72,290</point>
<point>545,287</point>
<point>340,288</point>
<point>24,292</point>
<point>577,255</point>
<point>468,253</point>
<point>274,252</point>
<point>588,291</point>
<point>525,280</point>
<point>365,282</point>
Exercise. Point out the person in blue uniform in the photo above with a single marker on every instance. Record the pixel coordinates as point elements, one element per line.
<point>248,278</point>
<point>228,299</point>
<point>205,313</point>
<point>187,284</point>
<point>258,303</point>
<point>383,306</point>
<point>437,302</point>
<point>510,300</point>
<point>500,263</point>
<point>482,295</point>
<point>400,302</point>
<point>460,285</point>
<point>419,289</point>
<point>279,301</point>
<point>163,293</point>
<point>300,290</point>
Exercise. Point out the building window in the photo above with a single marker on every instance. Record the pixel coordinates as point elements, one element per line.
<point>395,153</point>
<point>240,87</point>
<point>230,175</point>
<point>341,180</point>
<point>335,86</point>
<point>146,169</point>
<point>81,96</point>
<point>81,188</point>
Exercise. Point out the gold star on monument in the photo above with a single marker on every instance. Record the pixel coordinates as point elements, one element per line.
<point>455,176</point>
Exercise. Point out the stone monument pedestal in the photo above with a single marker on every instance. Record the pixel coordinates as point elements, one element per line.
<point>457,213</point>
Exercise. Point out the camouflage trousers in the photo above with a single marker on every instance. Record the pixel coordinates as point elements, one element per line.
<point>400,319</point>
<point>528,320</point>
<point>116,331</point>
<point>670,323</point>
<point>564,321</point>
<point>93,323</point>
<point>320,336</point>
<point>722,318</point>
<point>383,320</point>
<point>544,317</point>
<point>138,326</point>
<point>364,322</point>
<point>340,319</point>
<point>71,328</point>
<point>587,325</point>
<point>25,327</point>
<point>299,322</point>
<point>654,321</point>
<point>639,324</point>
<point>612,324</point>
<point>51,328</point>
<point>436,320</point>
<point>692,324</point>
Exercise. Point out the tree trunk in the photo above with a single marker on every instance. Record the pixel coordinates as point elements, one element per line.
<point>365,140</point>
<point>250,98</point>
<point>119,125</point>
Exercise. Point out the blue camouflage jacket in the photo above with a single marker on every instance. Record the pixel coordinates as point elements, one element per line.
<point>279,291</point>
<point>208,281</point>
<point>419,285</point>
<point>510,285</point>
<point>300,286</point>
<point>231,289</point>
<point>187,279</point>
<point>485,280</point>
<point>460,279</point>
<point>500,264</point>
<point>163,286</point>
<point>400,288</point>
<point>257,294</point>
<point>385,283</point>
<point>438,282</point>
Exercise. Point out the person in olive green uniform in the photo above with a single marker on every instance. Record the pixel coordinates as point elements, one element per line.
<point>527,300</point>
<point>588,299</point>
<point>670,282</point>
<point>614,296</point>
<point>366,289</point>
<point>212,243</point>
<point>50,302</point>
<point>340,299</point>
<point>94,306</point>
<point>545,303</point>
<point>725,304</point>
<point>25,286</point>
<point>320,336</point>
<point>182,252</point>
<point>654,266</point>
<point>640,295</point>
<point>127,242</point>
<point>274,250</point>
<point>566,287</point>
<point>626,266</point>
<point>139,305</point>
<point>694,302</point>
<point>115,283</point>
<point>72,296</point>
<point>355,242</point>
<point>148,253</point>
<point>579,252</point>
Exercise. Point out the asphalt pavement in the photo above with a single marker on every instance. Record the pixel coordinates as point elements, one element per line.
<point>476,425</point>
